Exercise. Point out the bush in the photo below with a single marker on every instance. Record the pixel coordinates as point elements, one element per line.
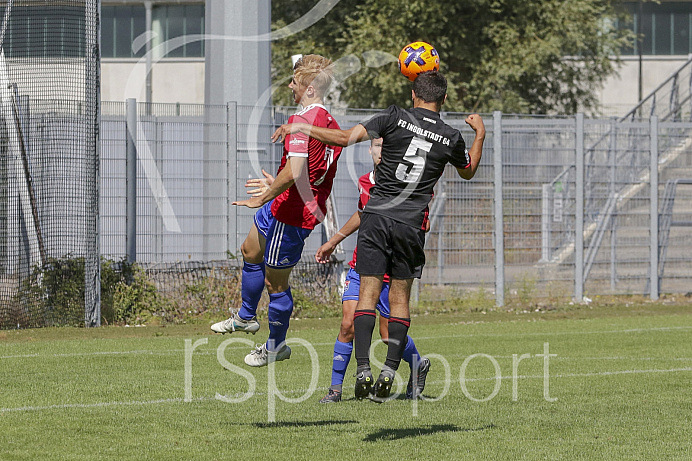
<point>113,275</point>
<point>54,293</point>
<point>139,302</point>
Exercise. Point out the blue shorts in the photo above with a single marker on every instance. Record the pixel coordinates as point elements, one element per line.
<point>352,287</point>
<point>284,243</point>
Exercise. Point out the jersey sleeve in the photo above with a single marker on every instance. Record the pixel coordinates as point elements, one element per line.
<point>363,191</point>
<point>361,205</point>
<point>296,144</point>
<point>460,156</point>
<point>426,218</point>
<point>381,122</point>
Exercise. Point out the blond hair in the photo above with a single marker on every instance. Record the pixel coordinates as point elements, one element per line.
<point>315,70</point>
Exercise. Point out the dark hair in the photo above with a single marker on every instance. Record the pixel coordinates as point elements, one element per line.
<point>430,86</point>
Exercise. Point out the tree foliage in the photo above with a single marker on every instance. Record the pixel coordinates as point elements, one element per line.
<point>528,56</point>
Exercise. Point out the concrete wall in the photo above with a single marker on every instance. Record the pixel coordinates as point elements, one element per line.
<point>125,78</point>
<point>173,80</point>
<point>620,92</point>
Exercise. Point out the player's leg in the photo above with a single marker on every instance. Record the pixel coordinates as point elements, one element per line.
<point>398,324</point>
<point>364,323</point>
<point>407,263</point>
<point>399,320</point>
<point>284,245</point>
<point>343,348</point>
<point>373,261</point>
<point>418,365</point>
<point>252,283</point>
<point>383,309</point>
<point>410,354</point>
<point>280,306</point>
<point>384,328</point>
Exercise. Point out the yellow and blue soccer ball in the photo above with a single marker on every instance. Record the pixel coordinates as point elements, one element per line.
<point>416,58</point>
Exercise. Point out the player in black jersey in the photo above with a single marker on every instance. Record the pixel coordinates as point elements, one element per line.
<point>417,145</point>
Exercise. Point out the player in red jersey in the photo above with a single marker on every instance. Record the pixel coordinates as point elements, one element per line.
<point>291,205</point>
<point>343,346</point>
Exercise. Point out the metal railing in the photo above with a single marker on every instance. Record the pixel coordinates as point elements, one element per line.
<point>609,189</point>
<point>537,189</point>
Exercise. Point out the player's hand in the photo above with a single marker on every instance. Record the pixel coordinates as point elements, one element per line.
<point>254,202</point>
<point>260,184</point>
<point>475,121</point>
<point>324,253</point>
<point>286,129</point>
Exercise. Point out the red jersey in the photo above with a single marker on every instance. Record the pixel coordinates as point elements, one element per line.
<point>308,210</point>
<point>365,183</point>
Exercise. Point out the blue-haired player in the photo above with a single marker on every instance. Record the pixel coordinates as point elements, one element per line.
<point>343,347</point>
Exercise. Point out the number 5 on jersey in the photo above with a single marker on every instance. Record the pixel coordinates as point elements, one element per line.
<point>413,164</point>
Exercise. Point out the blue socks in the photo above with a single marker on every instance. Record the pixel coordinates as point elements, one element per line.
<point>252,286</point>
<point>279,313</point>
<point>342,355</point>
<point>409,351</point>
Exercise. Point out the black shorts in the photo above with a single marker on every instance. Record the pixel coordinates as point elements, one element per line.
<point>386,246</point>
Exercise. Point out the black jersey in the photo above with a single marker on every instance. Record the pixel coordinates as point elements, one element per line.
<point>416,147</point>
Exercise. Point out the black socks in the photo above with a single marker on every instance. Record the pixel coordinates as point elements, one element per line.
<point>363,324</point>
<point>398,330</point>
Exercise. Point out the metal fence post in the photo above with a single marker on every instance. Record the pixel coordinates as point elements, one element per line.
<point>653,208</point>
<point>440,239</point>
<point>579,218</point>
<point>231,176</point>
<point>545,223</point>
<point>499,221</point>
<point>612,156</point>
<point>131,181</point>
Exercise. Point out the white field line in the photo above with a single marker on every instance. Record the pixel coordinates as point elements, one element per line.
<point>95,353</point>
<point>303,391</point>
<point>199,352</point>
<point>419,338</point>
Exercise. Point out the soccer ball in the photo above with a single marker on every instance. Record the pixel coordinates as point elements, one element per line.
<point>418,57</point>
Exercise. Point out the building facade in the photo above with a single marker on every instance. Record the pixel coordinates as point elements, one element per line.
<point>173,33</point>
<point>143,44</point>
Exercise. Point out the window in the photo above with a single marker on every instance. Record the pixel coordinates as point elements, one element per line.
<point>45,32</point>
<point>173,21</point>
<point>121,24</point>
<point>665,28</point>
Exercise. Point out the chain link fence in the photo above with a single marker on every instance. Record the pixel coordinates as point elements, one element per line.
<point>49,92</point>
<point>540,219</point>
<point>193,161</point>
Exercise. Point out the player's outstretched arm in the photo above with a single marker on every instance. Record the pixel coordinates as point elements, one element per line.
<point>330,136</point>
<point>326,250</point>
<point>261,185</point>
<point>475,121</point>
<point>295,167</point>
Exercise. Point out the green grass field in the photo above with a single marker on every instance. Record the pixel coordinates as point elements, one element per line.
<point>618,387</point>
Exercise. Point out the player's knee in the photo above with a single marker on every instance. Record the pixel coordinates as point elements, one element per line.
<point>251,254</point>
<point>275,286</point>
<point>271,288</point>
<point>347,331</point>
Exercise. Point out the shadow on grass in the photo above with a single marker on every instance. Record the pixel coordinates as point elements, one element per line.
<point>301,423</point>
<point>396,434</point>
